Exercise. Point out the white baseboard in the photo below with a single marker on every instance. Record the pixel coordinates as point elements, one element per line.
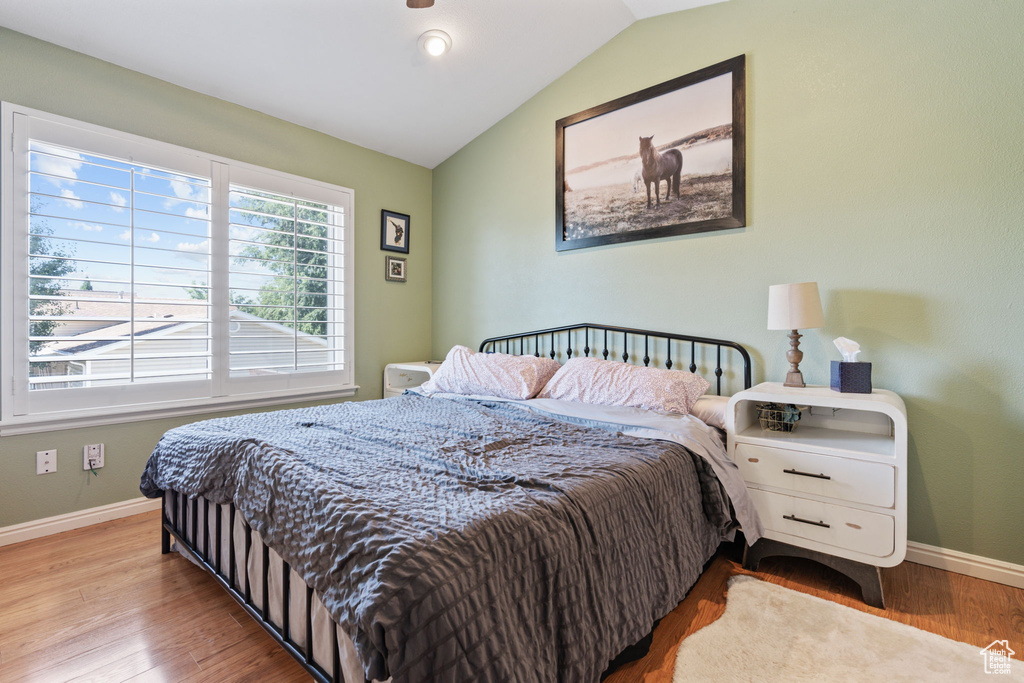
<point>27,531</point>
<point>969,565</point>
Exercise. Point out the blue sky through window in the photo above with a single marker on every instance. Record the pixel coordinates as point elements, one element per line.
<point>91,208</point>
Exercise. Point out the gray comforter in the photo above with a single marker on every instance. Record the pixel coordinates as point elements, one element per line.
<point>459,540</point>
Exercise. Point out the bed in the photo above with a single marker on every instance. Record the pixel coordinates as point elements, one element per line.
<point>456,537</point>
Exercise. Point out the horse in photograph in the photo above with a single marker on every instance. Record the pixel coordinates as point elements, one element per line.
<point>658,167</point>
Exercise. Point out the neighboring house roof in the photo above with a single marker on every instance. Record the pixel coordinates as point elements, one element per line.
<point>155,310</point>
<point>104,304</point>
<point>112,302</point>
<point>115,330</point>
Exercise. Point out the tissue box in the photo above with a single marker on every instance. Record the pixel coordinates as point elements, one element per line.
<point>851,378</point>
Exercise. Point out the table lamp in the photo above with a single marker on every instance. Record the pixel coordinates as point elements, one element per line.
<point>794,307</point>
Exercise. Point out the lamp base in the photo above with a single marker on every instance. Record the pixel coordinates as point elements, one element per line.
<point>794,379</point>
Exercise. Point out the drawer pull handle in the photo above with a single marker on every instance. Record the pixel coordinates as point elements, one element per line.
<point>794,518</point>
<point>807,474</point>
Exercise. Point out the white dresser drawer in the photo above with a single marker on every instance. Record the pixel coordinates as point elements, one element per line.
<point>857,530</point>
<point>857,481</point>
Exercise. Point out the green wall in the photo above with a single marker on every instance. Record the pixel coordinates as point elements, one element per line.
<point>884,161</point>
<point>392,319</point>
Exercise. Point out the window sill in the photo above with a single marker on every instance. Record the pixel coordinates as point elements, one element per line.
<point>50,422</point>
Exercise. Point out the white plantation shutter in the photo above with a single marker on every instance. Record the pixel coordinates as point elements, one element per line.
<point>138,273</point>
<point>110,245</point>
<point>286,282</point>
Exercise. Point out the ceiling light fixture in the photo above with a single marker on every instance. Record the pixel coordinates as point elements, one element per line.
<point>435,42</point>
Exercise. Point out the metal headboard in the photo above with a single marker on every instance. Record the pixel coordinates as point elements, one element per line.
<point>548,340</point>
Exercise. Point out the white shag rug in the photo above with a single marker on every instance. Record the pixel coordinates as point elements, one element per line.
<point>770,633</point>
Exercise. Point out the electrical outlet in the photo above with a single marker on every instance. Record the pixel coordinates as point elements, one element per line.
<point>46,461</point>
<point>92,456</point>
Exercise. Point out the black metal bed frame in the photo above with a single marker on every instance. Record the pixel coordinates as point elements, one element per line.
<point>179,514</point>
<point>185,513</point>
<point>550,338</point>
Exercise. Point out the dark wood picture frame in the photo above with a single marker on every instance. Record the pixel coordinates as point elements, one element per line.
<point>392,222</point>
<point>736,217</point>
<point>393,274</point>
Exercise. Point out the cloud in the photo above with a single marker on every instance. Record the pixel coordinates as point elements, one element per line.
<point>127,237</point>
<point>72,198</point>
<point>186,191</point>
<point>65,164</point>
<point>194,247</point>
<point>194,251</point>
<point>119,201</point>
<point>183,189</point>
<point>88,227</point>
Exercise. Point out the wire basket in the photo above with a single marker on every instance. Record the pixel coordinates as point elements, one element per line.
<point>779,417</point>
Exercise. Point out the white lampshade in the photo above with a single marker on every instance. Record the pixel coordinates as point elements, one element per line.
<point>794,307</point>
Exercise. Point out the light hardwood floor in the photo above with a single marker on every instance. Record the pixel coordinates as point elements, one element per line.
<point>103,604</point>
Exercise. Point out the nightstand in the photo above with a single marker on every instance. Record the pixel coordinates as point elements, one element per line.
<point>835,488</point>
<point>401,376</point>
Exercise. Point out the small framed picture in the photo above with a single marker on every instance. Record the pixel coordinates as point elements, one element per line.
<point>394,231</point>
<point>394,269</point>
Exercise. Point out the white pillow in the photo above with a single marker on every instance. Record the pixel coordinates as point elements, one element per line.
<point>611,383</point>
<point>711,410</point>
<point>467,372</point>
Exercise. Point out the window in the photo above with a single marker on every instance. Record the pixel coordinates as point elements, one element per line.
<point>118,272</point>
<point>143,275</point>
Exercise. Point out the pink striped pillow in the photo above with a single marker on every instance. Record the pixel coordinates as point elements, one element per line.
<point>490,374</point>
<point>611,383</point>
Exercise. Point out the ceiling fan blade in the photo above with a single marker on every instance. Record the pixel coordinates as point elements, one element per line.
<point>419,4</point>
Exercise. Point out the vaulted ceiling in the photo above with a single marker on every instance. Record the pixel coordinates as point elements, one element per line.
<point>348,68</point>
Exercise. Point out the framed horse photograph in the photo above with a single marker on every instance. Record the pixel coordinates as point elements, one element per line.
<point>667,160</point>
